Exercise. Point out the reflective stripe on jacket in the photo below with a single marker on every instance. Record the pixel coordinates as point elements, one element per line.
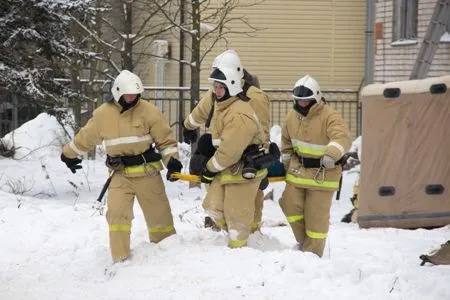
<point>321,132</point>
<point>129,133</point>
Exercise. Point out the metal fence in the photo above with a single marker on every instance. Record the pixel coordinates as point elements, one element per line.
<point>175,103</point>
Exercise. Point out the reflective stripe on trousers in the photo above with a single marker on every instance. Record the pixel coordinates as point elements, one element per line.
<point>119,228</point>
<point>161,229</point>
<point>316,235</point>
<point>309,233</point>
<point>237,243</point>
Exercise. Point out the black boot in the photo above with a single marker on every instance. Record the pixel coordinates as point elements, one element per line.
<point>348,217</point>
<point>209,223</point>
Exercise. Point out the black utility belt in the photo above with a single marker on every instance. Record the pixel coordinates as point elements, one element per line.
<point>309,163</point>
<point>118,162</point>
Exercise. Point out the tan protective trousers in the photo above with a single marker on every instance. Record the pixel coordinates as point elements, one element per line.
<point>232,207</point>
<point>152,198</point>
<point>308,213</point>
<point>259,205</point>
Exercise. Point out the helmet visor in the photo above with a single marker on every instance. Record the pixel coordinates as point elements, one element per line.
<point>302,93</point>
<point>217,75</point>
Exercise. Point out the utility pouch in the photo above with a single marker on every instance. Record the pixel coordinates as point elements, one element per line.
<point>264,160</point>
<point>255,159</point>
<point>115,163</point>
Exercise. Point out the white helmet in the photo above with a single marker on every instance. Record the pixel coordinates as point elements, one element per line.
<point>229,59</point>
<point>307,88</point>
<point>126,83</point>
<point>228,76</point>
<point>216,61</point>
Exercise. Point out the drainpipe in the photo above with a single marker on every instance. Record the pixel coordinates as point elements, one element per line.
<point>370,21</point>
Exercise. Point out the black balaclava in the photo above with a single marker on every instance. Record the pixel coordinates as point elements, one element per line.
<point>303,93</point>
<point>304,110</point>
<point>127,105</point>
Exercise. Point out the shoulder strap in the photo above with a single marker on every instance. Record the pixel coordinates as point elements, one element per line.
<point>211,112</point>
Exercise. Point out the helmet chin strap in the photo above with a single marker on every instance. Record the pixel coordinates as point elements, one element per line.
<point>304,110</point>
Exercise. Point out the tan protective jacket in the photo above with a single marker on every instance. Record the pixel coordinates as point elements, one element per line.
<point>200,113</point>
<point>129,133</point>
<point>259,101</point>
<point>234,127</point>
<point>321,132</point>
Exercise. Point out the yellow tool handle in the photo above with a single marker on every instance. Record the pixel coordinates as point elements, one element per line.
<point>196,178</point>
<point>186,177</point>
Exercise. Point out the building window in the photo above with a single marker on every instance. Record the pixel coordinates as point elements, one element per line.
<point>405,20</point>
<point>448,23</point>
<point>445,38</point>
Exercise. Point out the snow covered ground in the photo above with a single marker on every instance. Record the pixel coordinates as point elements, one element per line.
<point>55,246</point>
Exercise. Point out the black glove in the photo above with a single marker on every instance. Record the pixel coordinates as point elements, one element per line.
<point>275,151</point>
<point>72,163</point>
<point>205,146</point>
<point>349,160</point>
<point>207,176</point>
<point>197,164</point>
<point>189,136</point>
<point>174,166</point>
<point>264,184</point>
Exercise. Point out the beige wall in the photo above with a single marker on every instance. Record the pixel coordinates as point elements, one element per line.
<point>325,38</point>
<point>395,63</point>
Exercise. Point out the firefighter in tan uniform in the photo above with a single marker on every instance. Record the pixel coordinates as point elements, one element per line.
<point>130,130</point>
<point>230,198</point>
<point>314,138</point>
<point>202,114</point>
<point>258,99</point>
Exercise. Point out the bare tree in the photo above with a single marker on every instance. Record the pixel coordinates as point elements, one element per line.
<point>114,35</point>
<point>130,26</point>
<point>206,23</point>
<point>85,75</point>
<point>124,30</point>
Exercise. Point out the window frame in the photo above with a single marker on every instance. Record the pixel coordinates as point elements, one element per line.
<point>405,20</point>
